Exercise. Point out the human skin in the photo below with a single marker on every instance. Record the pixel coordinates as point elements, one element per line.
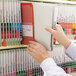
<point>59,35</point>
<point>39,52</point>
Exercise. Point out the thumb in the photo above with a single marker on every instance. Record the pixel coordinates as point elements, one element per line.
<point>49,29</point>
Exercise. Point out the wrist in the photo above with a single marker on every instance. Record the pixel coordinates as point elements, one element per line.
<point>44,58</point>
<point>66,43</point>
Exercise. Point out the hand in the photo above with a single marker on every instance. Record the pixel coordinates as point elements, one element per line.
<point>59,35</point>
<point>37,51</point>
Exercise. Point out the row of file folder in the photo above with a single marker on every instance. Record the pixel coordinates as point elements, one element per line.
<point>14,62</point>
<point>11,25</point>
<point>17,62</point>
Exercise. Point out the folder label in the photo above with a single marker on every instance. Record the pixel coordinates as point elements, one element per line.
<point>27,30</point>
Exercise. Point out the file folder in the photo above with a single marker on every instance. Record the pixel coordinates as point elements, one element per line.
<point>27,22</point>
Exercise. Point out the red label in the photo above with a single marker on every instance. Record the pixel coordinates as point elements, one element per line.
<point>2,34</point>
<point>10,34</point>
<point>54,41</point>
<point>13,33</point>
<point>16,34</point>
<point>7,34</point>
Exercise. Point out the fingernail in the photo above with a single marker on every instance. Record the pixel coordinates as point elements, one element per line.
<point>46,28</point>
<point>57,24</point>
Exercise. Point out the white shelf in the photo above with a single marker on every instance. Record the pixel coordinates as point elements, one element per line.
<point>13,47</point>
<point>54,1</point>
<point>71,40</point>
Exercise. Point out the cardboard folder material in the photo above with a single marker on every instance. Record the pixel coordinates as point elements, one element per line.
<point>43,17</point>
<point>27,22</point>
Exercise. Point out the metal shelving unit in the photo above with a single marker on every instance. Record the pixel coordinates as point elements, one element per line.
<point>13,47</point>
<point>45,1</point>
<point>53,1</point>
<point>22,52</point>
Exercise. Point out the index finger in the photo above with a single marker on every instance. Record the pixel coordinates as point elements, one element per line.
<point>49,29</point>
